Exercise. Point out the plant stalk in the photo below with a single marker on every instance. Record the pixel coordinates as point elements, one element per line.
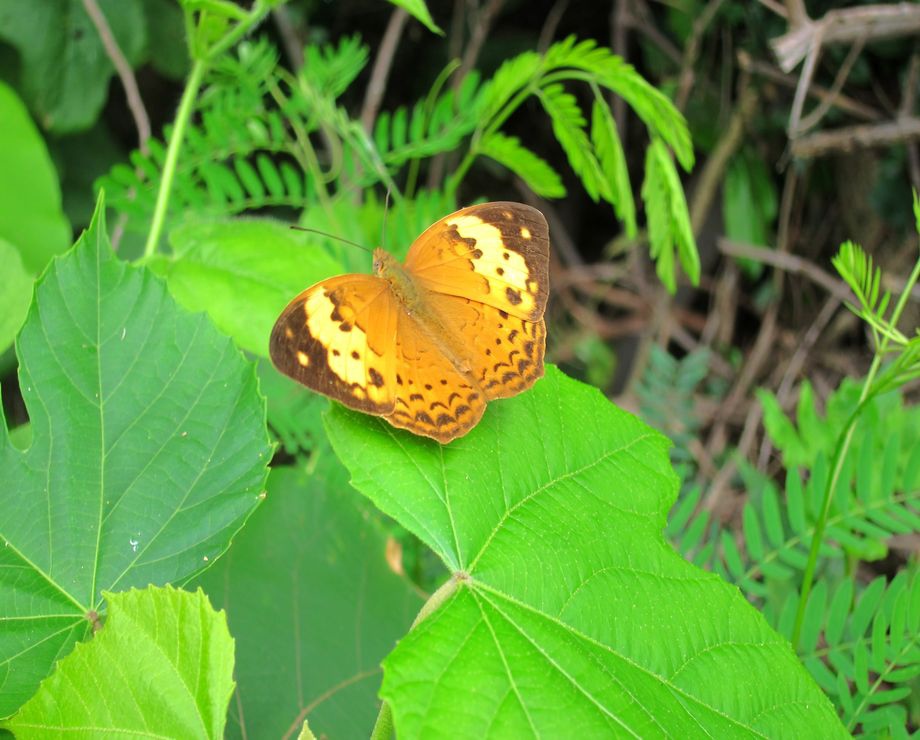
<point>840,455</point>
<point>383,727</point>
<point>183,115</point>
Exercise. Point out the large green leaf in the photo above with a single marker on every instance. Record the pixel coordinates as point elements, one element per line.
<point>148,452</point>
<point>31,218</point>
<point>243,272</point>
<point>162,666</point>
<point>310,563</point>
<point>570,615</point>
<point>64,66</point>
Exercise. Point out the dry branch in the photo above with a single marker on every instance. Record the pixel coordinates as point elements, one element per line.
<point>871,22</point>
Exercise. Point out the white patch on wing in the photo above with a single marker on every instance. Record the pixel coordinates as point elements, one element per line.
<point>504,268</point>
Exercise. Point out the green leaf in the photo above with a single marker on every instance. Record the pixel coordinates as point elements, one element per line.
<point>569,613</point>
<point>31,218</point>
<point>612,72</point>
<point>539,176</point>
<point>65,68</point>
<point>148,452</point>
<point>749,201</point>
<point>419,10</point>
<point>243,272</point>
<point>333,68</point>
<point>613,163</point>
<point>15,294</point>
<point>510,78</point>
<point>166,47</point>
<point>569,127</point>
<point>311,559</point>
<point>668,219</point>
<point>162,666</point>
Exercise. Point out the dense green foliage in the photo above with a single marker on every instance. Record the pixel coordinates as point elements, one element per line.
<point>556,572</point>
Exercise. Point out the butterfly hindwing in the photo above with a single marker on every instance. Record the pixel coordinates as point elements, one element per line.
<point>338,338</point>
<point>505,353</point>
<point>494,253</point>
<point>433,397</point>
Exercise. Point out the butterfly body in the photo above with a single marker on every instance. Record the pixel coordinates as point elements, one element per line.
<point>428,343</point>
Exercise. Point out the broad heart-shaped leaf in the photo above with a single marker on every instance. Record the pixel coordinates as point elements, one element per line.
<point>570,616</point>
<point>312,605</point>
<point>148,452</point>
<point>162,666</point>
<point>243,272</point>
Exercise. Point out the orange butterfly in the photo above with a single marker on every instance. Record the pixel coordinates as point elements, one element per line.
<point>428,343</point>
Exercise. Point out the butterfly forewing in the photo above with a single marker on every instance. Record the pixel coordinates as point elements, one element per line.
<point>495,253</point>
<point>338,338</point>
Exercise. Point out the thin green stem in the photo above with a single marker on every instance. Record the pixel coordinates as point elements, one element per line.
<point>843,447</point>
<point>184,114</point>
<point>495,122</point>
<point>252,19</point>
<point>172,157</point>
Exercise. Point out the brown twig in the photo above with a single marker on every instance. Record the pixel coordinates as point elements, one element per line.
<point>801,90</point>
<point>548,32</point>
<point>640,19</point>
<point>840,101</point>
<point>849,138</point>
<point>619,26</point>
<point>796,265</point>
<point>124,71</point>
<point>813,118</point>
<point>759,354</point>
<point>775,7</point>
<point>692,52</point>
<point>845,25</point>
<point>481,28</point>
<point>381,70</point>
<point>790,263</point>
<point>713,171</point>
<point>291,41</point>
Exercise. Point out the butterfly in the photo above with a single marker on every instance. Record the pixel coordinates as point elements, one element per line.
<point>428,343</point>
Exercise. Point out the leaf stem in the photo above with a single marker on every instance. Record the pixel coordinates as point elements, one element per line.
<point>383,727</point>
<point>183,115</point>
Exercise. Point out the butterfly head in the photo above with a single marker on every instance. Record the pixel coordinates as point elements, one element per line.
<point>384,263</point>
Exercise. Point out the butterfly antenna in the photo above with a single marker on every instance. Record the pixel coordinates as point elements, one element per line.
<point>383,228</point>
<point>333,236</point>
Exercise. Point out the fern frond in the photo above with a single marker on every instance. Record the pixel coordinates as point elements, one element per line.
<point>613,73</point>
<point>536,172</point>
<point>428,129</point>
<point>669,227</point>
<point>569,127</point>
<point>333,68</point>
<point>610,154</point>
<point>878,495</point>
<point>666,394</point>
<point>870,650</point>
<point>512,77</point>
